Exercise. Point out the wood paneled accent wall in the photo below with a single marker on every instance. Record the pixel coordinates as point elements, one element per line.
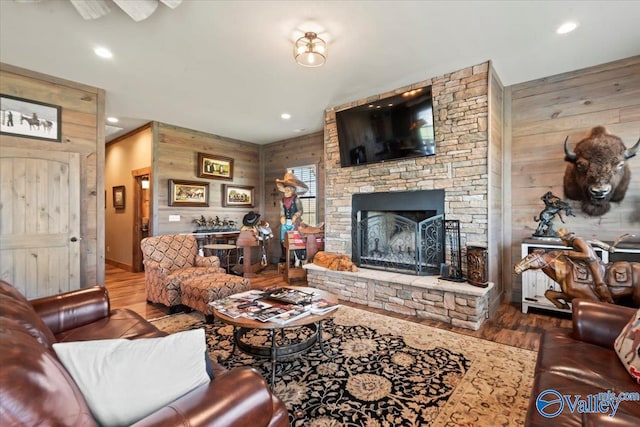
<point>276,158</point>
<point>83,133</point>
<point>542,113</point>
<point>497,225</point>
<point>175,157</point>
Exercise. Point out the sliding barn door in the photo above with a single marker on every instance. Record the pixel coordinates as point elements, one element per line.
<point>40,220</point>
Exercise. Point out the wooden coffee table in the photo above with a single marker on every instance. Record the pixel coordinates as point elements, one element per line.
<point>313,322</point>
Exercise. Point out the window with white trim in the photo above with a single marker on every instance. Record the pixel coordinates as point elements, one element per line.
<point>308,175</point>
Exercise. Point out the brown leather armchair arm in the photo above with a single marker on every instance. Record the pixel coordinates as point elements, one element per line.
<point>73,309</point>
<point>597,322</point>
<point>239,397</point>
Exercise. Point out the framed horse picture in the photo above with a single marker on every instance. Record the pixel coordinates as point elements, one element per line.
<point>214,167</point>
<point>188,193</point>
<point>237,196</point>
<point>30,119</point>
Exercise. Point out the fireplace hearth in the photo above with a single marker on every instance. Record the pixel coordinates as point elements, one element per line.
<point>399,231</point>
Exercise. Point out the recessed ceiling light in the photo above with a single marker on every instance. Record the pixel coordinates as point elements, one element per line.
<point>567,27</point>
<point>103,52</point>
<point>112,119</point>
<point>285,116</point>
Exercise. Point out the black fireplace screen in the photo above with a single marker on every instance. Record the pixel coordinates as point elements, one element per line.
<point>393,242</point>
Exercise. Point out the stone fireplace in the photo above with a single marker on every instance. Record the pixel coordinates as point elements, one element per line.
<point>465,169</point>
<point>399,231</point>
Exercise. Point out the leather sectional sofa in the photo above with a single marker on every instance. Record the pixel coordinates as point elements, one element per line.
<point>35,389</point>
<point>581,364</point>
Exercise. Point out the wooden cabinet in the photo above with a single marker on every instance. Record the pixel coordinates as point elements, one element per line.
<point>535,282</point>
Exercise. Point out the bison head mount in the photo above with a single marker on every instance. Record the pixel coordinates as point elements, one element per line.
<point>597,173</point>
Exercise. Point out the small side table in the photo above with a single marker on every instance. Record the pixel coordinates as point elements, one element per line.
<point>223,251</point>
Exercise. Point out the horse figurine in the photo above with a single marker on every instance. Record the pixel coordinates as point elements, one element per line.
<point>622,277</point>
<point>553,206</point>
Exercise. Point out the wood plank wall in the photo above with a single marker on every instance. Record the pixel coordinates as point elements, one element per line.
<point>542,113</point>
<point>495,191</point>
<point>175,157</point>
<point>83,133</point>
<point>277,157</point>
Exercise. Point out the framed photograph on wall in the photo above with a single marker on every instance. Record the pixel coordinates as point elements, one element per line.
<point>237,196</point>
<point>214,167</point>
<point>188,193</point>
<point>118,197</point>
<point>30,119</point>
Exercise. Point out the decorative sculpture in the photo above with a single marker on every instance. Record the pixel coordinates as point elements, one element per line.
<point>292,209</point>
<point>597,173</point>
<point>554,205</point>
<point>575,277</point>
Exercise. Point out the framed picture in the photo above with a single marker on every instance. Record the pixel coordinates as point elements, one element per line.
<point>118,197</point>
<point>214,167</point>
<point>237,195</point>
<point>188,193</point>
<point>30,119</point>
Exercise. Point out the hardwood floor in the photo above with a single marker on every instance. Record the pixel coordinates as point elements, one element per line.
<point>508,326</point>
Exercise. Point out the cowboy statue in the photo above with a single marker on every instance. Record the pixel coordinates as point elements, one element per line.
<point>291,213</point>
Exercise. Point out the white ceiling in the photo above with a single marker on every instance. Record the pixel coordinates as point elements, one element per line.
<point>226,67</point>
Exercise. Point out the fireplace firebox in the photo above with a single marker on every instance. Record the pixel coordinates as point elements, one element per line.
<point>399,231</point>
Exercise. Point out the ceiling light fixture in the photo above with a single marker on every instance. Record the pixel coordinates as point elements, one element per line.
<point>103,52</point>
<point>112,119</point>
<point>310,50</point>
<point>567,27</point>
<point>285,116</point>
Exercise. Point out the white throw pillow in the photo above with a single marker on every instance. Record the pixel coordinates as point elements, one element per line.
<point>125,380</point>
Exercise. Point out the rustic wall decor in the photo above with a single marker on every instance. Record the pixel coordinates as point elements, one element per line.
<point>214,167</point>
<point>188,193</point>
<point>237,196</point>
<point>30,119</point>
<point>119,197</point>
<point>597,173</point>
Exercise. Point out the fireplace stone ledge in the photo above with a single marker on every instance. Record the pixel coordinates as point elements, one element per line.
<point>427,297</point>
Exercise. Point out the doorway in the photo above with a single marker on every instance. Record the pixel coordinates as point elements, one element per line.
<point>141,214</point>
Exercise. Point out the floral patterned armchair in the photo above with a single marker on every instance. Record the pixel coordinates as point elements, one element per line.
<point>169,260</point>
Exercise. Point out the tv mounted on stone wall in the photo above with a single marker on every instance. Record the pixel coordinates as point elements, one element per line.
<point>388,129</point>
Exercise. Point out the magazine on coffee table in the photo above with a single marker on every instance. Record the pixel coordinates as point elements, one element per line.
<point>250,295</point>
<point>322,306</point>
<point>289,296</point>
<point>234,307</point>
<point>269,313</point>
<point>290,316</point>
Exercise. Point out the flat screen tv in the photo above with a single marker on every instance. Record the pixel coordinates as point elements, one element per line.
<point>388,129</point>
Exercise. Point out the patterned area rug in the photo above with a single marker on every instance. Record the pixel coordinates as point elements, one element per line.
<point>386,372</point>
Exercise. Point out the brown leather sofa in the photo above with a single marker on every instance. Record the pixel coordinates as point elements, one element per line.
<point>583,362</point>
<point>35,389</point>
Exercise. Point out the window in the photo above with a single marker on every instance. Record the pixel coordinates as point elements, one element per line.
<point>307,174</point>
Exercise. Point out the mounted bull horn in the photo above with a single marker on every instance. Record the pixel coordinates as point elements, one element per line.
<point>569,155</point>
<point>597,172</point>
<point>629,153</point>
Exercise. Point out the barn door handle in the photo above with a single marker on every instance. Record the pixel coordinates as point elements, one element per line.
<point>74,239</point>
